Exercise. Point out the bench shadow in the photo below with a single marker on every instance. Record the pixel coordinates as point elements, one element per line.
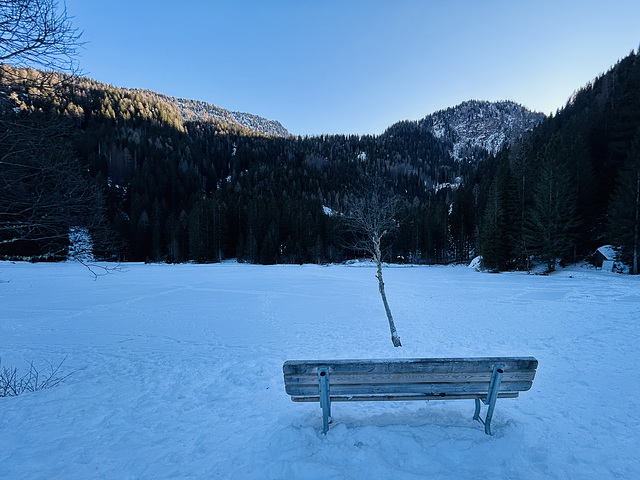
<point>398,414</point>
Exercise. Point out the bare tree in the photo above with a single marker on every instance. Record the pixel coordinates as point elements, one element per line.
<point>38,34</point>
<point>371,217</point>
<point>44,189</point>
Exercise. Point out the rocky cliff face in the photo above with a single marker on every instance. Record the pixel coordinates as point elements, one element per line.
<point>480,125</point>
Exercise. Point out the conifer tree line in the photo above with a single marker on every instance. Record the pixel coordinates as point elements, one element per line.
<point>175,190</point>
<point>571,186</point>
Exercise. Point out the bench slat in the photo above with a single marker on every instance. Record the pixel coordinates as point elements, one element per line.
<point>426,388</point>
<point>338,378</point>
<point>392,398</point>
<point>443,365</point>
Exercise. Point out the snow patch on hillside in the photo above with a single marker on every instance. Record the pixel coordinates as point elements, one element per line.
<point>328,211</point>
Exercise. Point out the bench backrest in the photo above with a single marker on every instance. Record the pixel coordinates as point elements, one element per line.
<point>408,379</point>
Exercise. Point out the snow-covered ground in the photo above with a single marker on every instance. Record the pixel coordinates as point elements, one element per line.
<point>177,372</point>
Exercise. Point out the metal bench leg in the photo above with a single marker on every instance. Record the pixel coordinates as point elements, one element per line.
<point>325,400</point>
<point>493,395</point>
<point>476,414</point>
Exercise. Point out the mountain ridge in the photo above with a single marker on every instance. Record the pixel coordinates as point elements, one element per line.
<point>198,110</point>
<point>481,124</point>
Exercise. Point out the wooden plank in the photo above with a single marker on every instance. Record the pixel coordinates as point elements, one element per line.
<point>312,389</point>
<point>422,388</point>
<point>526,362</point>
<point>398,398</point>
<point>338,378</point>
<point>433,365</point>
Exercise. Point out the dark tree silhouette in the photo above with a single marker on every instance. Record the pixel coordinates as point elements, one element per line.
<point>624,208</point>
<point>44,190</point>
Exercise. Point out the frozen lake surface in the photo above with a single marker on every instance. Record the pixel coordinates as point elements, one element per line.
<point>176,372</point>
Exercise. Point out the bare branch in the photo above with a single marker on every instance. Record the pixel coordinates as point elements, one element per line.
<point>38,33</point>
<point>44,189</point>
<point>371,215</point>
<point>94,268</point>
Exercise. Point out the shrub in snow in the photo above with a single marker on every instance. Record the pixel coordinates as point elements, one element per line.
<point>12,385</point>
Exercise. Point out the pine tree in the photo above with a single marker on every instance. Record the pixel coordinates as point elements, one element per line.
<point>553,217</point>
<point>462,222</point>
<point>624,208</point>
<point>495,252</point>
<point>519,187</point>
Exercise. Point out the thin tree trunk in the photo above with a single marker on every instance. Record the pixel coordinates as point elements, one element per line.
<point>636,234</point>
<point>395,338</point>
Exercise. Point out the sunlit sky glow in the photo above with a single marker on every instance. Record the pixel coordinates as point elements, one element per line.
<point>351,66</point>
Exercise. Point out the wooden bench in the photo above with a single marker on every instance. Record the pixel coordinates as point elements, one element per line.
<point>481,379</point>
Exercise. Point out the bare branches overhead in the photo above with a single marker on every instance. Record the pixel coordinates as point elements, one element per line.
<point>38,33</point>
<point>44,190</point>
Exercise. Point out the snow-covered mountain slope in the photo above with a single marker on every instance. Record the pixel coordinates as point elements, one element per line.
<point>199,110</point>
<point>479,124</point>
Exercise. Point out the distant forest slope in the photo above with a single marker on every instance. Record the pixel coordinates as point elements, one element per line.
<point>176,187</point>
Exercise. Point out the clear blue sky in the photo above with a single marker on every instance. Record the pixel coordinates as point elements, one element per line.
<point>351,66</point>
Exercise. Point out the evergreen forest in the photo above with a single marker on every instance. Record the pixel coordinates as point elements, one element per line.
<point>151,184</point>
